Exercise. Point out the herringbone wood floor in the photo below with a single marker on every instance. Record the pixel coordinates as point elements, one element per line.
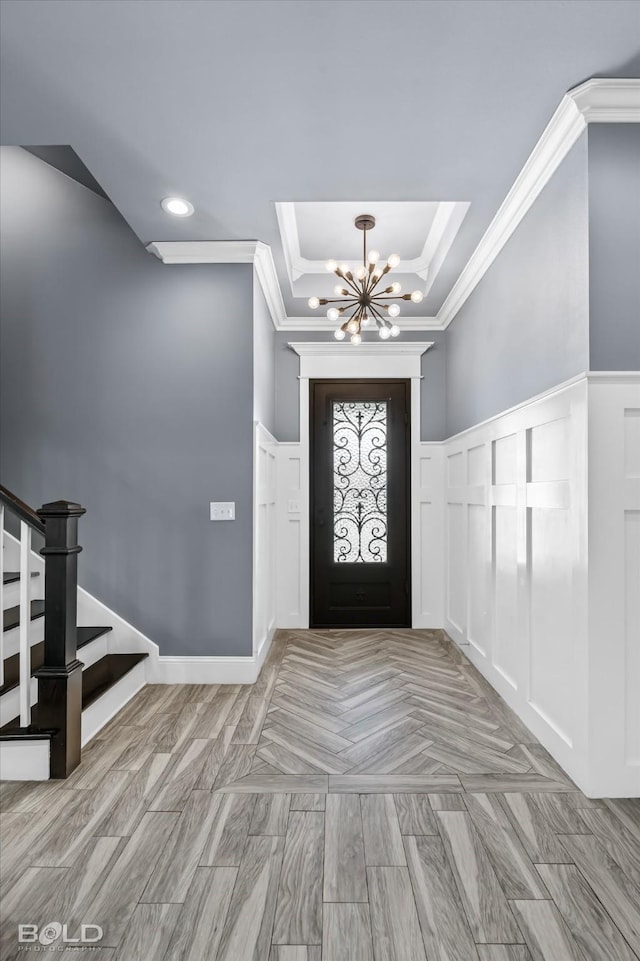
<point>370,799</point>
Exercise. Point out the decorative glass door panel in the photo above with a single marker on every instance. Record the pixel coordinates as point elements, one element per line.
<point>359,482</point>
<point>360,503</point>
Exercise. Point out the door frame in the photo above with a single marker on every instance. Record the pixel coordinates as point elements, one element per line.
<point>406,383</point>
<point>367,361</point>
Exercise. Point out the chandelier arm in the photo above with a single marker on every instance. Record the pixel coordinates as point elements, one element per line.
<point>378,316</point>
<point>339,300</point>
<point>374,284</point>
<point>369,285</point>
<point>351,283</point>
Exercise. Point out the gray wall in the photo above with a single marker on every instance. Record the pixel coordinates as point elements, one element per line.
<point>525,328</point>
<point>432,394</point>
<point>264,361</point>
<point>614,246</point>
<point>126,385</point>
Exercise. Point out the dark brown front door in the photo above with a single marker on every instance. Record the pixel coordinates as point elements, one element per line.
<point>360,504</point>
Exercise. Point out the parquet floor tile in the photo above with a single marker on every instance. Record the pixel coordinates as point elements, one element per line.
<point>369,798</point>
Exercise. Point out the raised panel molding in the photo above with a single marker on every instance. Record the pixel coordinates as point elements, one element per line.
<point>264,538</point>
<point>513,554</point>
<point>542,565</point>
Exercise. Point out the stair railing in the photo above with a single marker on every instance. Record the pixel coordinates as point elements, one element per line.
<point>29,521</point>
<point>59,707</point>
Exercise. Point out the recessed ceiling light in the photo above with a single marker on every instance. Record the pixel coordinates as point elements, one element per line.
<point>177,206</point>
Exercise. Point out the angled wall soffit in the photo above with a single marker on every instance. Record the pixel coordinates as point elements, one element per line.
<point>596,101</point>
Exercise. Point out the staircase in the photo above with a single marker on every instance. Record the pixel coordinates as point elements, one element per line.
<point>59,683</point>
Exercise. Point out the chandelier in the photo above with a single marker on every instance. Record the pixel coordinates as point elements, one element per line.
<point>361,296</point>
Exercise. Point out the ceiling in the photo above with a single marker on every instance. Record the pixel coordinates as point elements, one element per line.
<point>239,106</point>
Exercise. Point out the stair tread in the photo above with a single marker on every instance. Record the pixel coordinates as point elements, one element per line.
<point>12,664</point>
<point>87,634</point>
<point>106,672</point>
<point>12,732</point>
<point>11,617</point>
<point>96,681</point>
<point>10,577</point>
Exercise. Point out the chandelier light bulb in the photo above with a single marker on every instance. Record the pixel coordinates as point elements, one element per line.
<point>374,256</point>
<point>396,287</point>
<point>417,296</point>
<point>352,326</point>
<point>365,321</point>
<point>384,333</point>
<point>394,310</point>
<point>313,302</point>
<point>340,291</point>
<point>345,268</point>
<point>395,330</point>
<point>333,313</point>
<point>356,339</point>
<point>330,266</point>
<point>393,260</point>
<point>339,334</point>
<point>361,273</point>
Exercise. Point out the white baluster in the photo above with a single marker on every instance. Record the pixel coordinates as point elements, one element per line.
<point>25,623</point>
<point>2,594</point>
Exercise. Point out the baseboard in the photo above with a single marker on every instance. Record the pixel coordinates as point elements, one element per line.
<point>209,670</point>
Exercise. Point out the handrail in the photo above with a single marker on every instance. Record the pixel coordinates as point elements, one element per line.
<point>22,510</point>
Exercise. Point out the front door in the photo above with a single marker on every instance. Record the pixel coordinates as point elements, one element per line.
<point>360,500</point>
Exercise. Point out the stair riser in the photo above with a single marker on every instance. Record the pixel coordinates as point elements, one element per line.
<point>11,639</point>
<point>10,703</point>
<point>25,760</point>
<point>89,654</point>
<point>11,595</point>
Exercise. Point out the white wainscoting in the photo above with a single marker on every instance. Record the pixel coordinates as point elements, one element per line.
<point>542,570</point>
<point>292,542</point>
<point>614,584</point>
<point>515,560</point>
<point>428,535</point>
<point>264,538</point>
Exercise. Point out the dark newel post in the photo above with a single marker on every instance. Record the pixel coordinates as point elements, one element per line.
<point>60,677</point>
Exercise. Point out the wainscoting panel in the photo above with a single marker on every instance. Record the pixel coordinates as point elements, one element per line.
<point>292,539</point>
<point>514,504</point>
<point>428,574</point>
<point>614,582</point>
<point>264,538</point>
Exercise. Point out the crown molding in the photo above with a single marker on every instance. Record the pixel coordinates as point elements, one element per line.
<point>229,252</point>
<point>596,101</point>
<point>602,100</point>
<point>321,323</point>
<point>313,348</point>
<point>205,251</point>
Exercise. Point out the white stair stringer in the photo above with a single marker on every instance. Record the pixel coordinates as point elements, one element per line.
<point>97,714</point>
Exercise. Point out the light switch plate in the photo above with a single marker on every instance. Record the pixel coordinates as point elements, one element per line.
<point>222,510</point>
